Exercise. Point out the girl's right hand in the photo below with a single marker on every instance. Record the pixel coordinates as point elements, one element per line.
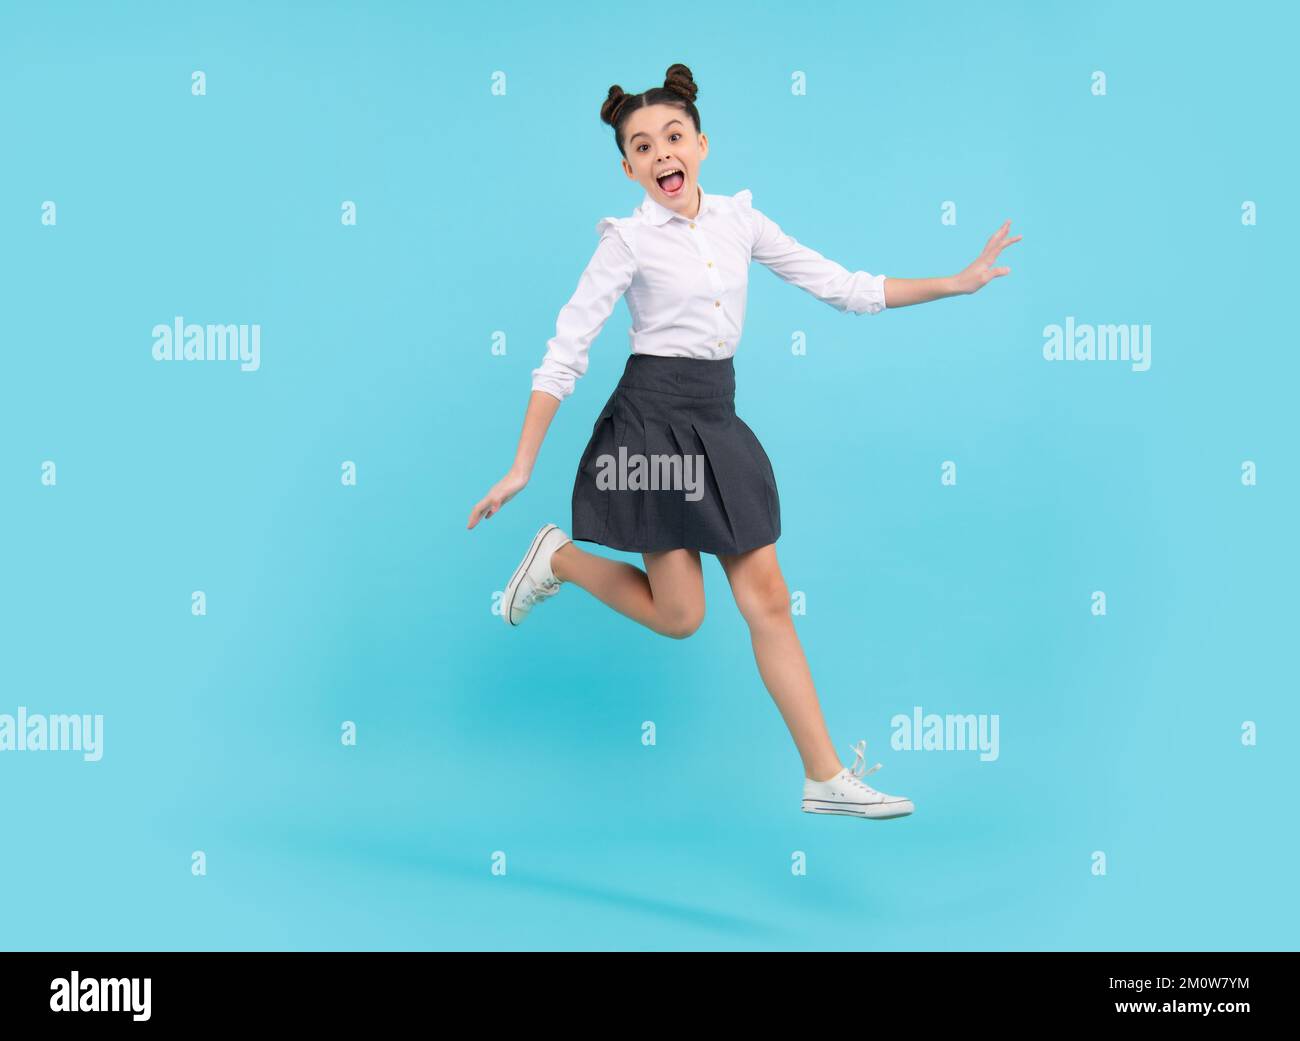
<point>502,492</point>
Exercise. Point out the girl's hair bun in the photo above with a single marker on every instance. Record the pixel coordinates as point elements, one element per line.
<point>679,90</point>
<point>679,80</point>
<point>613,103</point>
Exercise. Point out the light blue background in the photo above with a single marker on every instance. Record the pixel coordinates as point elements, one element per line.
<point>373,603</point>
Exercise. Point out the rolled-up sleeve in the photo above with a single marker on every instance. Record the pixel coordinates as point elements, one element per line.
<point>606,278</point>
<point>860,292</point>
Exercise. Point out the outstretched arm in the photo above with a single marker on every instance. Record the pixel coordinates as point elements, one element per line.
<point>859,292</point>
<point>899,292</point>
<point>542,407</point>
<point>603,281</point>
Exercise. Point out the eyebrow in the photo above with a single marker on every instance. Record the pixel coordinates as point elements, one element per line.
<point>642,133</point>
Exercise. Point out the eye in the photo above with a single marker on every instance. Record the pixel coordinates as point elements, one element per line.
<point>675,133</point>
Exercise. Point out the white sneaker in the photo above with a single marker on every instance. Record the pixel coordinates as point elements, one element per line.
<point>533,580</point>
<point>845,794</point>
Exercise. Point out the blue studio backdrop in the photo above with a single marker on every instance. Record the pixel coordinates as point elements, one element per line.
<point>256,691</point>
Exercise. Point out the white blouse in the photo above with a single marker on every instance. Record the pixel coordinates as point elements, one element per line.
<point>686,282</point>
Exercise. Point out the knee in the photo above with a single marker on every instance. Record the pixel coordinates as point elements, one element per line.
<point>765,600</point>
<point>681,622</point>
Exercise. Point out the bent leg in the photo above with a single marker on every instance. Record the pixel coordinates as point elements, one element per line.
<point>764,601</point>
<point>667,597</point>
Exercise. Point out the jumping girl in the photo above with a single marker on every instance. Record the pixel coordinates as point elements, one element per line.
<point>682,260</point>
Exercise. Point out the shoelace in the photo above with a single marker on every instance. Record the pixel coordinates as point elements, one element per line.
<point>858,769</point>
<point>544,588</point>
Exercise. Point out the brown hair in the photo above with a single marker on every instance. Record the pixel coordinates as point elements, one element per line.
<point>679,90</point>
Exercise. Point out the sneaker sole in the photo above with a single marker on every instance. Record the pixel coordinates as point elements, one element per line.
<point>512,587</point>
<point>888,811</point>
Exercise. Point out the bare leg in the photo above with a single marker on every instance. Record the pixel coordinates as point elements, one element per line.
<point>667,597</point>
<point>764,601</point>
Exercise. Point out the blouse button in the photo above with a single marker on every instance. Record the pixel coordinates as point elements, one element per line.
<point>692,224</point>
<point>721,343</point>
<point>717,303</point>
<point>710,263</point>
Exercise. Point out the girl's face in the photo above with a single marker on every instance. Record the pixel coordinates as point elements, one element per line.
<point>659,139</point>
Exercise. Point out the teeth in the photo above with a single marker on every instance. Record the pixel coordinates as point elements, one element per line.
<point>661,176</point>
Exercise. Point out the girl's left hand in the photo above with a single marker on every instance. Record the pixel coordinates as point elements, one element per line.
<point>981,272</point>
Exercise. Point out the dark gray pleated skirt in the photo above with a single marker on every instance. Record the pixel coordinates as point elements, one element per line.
<point>671,466</point>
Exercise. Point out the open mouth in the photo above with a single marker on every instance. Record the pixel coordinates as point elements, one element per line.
<point>672,182</point>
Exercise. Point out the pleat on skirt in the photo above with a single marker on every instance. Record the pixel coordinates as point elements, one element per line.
<point>670,465</point>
